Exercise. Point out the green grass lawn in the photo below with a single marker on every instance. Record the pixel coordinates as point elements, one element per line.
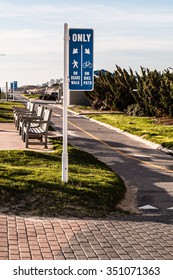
<point>32,95</point>
<point>6,112</point>
<point>30,183</point>
<point>146,127</point>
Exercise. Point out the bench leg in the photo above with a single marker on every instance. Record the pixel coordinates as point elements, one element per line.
<point>45,143</point>
<point>26,137</point>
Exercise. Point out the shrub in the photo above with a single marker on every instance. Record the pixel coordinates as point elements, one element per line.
<point>149,93</point>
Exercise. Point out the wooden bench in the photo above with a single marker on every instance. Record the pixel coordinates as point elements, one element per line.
<point>16,108</point>
<point>24,118</point>
<point>37,129</point>
<point>18,113</point>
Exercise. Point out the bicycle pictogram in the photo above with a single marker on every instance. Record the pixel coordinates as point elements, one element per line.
<point>87,64</point>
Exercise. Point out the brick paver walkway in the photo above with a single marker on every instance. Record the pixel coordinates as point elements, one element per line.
<point>124,237</point>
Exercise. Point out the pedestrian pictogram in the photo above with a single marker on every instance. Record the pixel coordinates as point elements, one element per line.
<point>75,63</point>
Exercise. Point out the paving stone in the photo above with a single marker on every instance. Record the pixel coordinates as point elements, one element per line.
<point>27,238</point>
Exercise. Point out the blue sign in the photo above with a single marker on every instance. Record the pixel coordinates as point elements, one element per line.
<point>13,85</point>
<point>81,59</point>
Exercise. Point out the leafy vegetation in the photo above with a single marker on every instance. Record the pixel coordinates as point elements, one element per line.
<point>147,94</point>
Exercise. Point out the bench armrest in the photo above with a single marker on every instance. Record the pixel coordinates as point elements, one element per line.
<point>28,123</point>
<point>26,118</point>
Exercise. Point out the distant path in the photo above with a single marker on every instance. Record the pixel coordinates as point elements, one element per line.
<point>18,97</point>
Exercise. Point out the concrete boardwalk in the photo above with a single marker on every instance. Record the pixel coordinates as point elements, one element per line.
<point>145,236</point>
<point>11,140</point>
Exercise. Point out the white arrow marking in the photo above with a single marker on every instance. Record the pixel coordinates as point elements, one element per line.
<point>148,207</point>
<point>170,208</point>
<point>72,133</point>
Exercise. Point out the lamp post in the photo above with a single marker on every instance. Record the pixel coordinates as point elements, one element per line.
<point>6,91</point>
<point>2,54</point>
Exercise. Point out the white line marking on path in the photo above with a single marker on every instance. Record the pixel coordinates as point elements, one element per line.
<point>148,207</point>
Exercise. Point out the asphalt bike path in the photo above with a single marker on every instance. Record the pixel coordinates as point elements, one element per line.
<point>147,172</point>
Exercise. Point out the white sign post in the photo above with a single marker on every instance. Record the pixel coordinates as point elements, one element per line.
<point>6,91</point>
<point>13,91</point>
<point>65,103</point>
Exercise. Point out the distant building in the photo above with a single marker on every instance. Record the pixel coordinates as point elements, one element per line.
<point>52,82</point>
<point>96,72</point>
<point>45,84</point>
<point>78,98</point>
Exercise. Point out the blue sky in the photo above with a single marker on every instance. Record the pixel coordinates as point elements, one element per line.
<point>129,33</point>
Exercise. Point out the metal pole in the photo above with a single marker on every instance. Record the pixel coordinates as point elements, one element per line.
<point>6,91</point>
<point>65,101</point>
<point>13,90</point>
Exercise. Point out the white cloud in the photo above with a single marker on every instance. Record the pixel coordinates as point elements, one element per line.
<point>32,34</point>
<point>98,12</point>
<point>29,41</point>
<point>133,43</point>
<point>12,10</point>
